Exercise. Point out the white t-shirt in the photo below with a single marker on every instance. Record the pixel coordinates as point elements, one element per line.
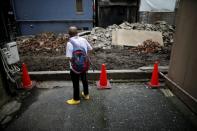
<point>80,43</point>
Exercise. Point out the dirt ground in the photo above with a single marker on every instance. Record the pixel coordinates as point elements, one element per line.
<point>115,58</point>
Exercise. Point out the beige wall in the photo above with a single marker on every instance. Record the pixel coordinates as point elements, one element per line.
<point>183,63</point>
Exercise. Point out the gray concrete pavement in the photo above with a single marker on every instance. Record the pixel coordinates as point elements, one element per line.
<point>126,107</point>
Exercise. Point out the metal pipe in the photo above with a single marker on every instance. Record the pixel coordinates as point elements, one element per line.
<point>186,93</point>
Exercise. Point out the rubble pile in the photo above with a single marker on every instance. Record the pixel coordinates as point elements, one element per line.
<point>101,38</point>
<point>148,46</point>
<point>42,43</point>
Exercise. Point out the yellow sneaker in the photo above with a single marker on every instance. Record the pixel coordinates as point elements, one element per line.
<point>86,97</point>
<point>73,102</point>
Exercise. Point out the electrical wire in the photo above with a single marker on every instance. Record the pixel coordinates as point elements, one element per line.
<point>9,70</point>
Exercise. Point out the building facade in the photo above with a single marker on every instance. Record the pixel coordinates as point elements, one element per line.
<point>36,16</point>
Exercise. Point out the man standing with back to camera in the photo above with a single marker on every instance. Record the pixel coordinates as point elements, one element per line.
<point>74,44</point>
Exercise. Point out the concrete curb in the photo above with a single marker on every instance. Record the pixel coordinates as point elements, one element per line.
<point>112,75</point>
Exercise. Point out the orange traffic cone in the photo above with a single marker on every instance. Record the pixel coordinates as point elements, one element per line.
<point>26,82</point>
<point>103,83</point>
<point>155,77</point>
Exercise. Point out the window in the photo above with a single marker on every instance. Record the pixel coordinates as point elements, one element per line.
<point>79,6</point>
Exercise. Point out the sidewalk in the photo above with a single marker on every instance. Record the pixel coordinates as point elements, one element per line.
<point>127,106</point>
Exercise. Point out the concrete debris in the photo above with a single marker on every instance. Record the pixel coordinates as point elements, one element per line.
<point>122,37</point>
<point>100,38</point>
<point>84,33</point>
<point>104,36</point>
<point>42,43</point>
<point>148,46</point>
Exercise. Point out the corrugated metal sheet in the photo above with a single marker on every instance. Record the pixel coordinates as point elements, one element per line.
<point>116,12</point>
<point>152,17</point>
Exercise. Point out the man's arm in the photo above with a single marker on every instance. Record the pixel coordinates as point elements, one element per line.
<point>89,48</point>
<point>69,50</point>
<point>90,52</point>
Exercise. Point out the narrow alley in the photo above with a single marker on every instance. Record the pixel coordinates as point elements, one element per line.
<point>125,107</point>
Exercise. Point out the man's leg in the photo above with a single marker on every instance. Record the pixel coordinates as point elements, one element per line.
<point>75,81</point>
<point>85,83</point>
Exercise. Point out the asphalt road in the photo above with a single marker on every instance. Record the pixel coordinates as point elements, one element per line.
<point>125,107</point>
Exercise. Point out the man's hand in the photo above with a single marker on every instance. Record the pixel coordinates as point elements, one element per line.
<point>68,58</point>
<point>90,52</point>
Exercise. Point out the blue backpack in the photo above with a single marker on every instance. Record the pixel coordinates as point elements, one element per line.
<point>80,61</point>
